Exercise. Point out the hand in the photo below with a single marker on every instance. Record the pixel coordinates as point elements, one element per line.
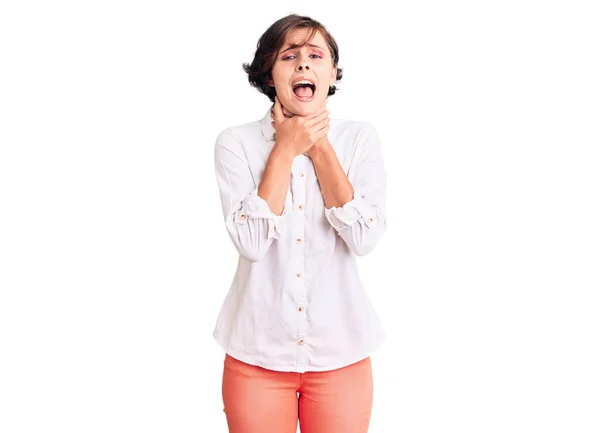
<point>298,133</point>
<point>320,144</point>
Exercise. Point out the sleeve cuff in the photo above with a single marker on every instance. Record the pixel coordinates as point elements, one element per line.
<point>358,208</point>
<point>254,206</point>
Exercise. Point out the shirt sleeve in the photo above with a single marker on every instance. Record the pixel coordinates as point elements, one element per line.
<point>250,223</point>
<point>362,221</point>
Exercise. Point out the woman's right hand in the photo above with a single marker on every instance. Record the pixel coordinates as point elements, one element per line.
<point>298,133</point>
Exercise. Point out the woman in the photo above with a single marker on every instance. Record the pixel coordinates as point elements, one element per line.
<point>302,194</point>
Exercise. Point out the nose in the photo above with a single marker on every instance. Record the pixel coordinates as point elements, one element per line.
<point>302,62</point>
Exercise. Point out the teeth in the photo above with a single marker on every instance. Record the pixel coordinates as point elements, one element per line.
<point>303,82</point>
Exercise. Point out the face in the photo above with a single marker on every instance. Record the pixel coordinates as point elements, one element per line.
<point>317,65</point>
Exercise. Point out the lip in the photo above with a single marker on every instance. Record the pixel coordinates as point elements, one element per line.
<point>302,78</point>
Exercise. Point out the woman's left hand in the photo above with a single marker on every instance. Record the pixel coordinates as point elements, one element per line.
<point>320,143</point>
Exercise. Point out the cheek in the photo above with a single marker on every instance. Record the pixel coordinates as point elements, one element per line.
<point>324,74</point>
<point>282,88</point>
<point>281,79</point>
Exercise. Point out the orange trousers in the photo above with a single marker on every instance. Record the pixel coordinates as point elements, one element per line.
<point>257,400</point>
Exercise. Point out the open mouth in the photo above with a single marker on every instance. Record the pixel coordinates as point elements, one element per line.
<point>304,91</point>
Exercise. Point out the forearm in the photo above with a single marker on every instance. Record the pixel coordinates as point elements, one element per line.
<point>335,186</point>
<point>274,184</point>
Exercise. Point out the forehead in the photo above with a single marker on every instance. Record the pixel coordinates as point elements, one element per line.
<point>298,35</point>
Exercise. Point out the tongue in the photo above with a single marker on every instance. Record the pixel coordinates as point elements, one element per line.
<point>303,91</point>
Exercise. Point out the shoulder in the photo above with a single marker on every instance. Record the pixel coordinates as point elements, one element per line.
<point>359,134</point>
<point>236,137</point>
<point>239,132</point>
<point>356,128</point>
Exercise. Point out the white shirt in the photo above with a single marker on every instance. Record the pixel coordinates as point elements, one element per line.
<point>297,302</point>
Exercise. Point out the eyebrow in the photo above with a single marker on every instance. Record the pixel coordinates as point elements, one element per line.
<point>292,46</point>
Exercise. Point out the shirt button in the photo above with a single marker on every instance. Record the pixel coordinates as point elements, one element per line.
<point>370,220</point>
<point>301,342</point>
<point>300,308</point>
<point>274,227</point>
<point>301,206</point>
<point>298,241</point>
<point>298,274</point>
<point>243,216</point>
<point>301,174</point>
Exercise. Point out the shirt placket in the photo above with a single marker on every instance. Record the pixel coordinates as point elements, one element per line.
<point>299,257</point>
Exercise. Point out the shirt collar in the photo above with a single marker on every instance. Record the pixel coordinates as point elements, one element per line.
<point>267,129</point>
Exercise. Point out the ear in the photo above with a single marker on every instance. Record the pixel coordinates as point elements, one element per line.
<point>333,76</point>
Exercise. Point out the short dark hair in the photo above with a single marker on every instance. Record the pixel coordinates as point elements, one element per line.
<point>259,71</point>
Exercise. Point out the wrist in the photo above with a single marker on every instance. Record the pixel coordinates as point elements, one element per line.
<point>319,149</point>
<point>283,151</point>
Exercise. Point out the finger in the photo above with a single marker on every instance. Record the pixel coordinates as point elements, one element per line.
<point>317,118</point>
<point>277,112</point>
<point>320,126</point>
<point>317,113</point>
<point>322,132</point>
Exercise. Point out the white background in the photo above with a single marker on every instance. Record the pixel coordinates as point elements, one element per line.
<point>114,255</point>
